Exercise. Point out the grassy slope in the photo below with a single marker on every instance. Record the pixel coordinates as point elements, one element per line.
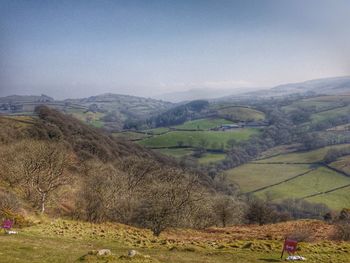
<point>68,241</point>
<point>337,199</point>
<point>240,113</point>
<point>130,135</point>
<point>324,115</point>
<point>171,139</point>
<point>203,124</point>
<point>319,103</point>
<point>253,176</point>
<point>316,181</point>
<point>303,157</point>
<point>211,158</point>
<point>157,131</point>
<point>342,164</point>
<point>177,153</point>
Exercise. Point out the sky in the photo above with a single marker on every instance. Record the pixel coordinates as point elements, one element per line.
<point>146,48</point>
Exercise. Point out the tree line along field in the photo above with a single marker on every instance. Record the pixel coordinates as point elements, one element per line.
<point>299,175</point>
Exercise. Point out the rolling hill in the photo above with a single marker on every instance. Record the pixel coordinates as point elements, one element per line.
<point>109,111</point>
<point>299,175</point>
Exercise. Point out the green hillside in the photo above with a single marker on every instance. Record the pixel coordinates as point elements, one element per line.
<point>303,157</point>
<point>253,176</point>
<point>320,103</point>
<point>296,175</point>
<point>236,113</point>
<point>319,180</point>
<point>211,139</point>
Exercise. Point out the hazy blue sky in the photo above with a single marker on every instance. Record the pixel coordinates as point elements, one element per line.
<point>81,48</point>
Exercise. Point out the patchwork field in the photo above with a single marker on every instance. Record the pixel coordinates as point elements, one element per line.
<point>296,175</point>
<point>253,176</point>
<point>208,139</point>
<point>303,157</point>
<point>72,241</point>
<point>317,181</point>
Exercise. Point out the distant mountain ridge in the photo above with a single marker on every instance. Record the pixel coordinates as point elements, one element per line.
<point>326,86</point>
<point>108,110</point>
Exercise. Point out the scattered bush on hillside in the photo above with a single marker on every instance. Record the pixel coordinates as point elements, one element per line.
<point>298,209</point>
<point>342,224</point>
<point>261,212</point>
<point>228,210</point>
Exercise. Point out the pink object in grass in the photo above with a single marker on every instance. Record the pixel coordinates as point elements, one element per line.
<point>7,224</point>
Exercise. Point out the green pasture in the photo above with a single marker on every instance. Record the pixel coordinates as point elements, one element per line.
<point>157,131</point>
<point>206,139</point>
<point>130,135</point>
<point>240,113</point>
<point>203,124</point>
<point>303,157</point>
<point>253,176</point>
<point>342,164</point>
<point>317,181</point>
<point>338,199</point>
<point>211,158</point>
<point>175,152</point>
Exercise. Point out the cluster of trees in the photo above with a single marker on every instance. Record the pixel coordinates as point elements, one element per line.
<point>143,193</point>
<point>180,114</point>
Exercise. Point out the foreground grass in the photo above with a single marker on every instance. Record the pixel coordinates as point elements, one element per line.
<point>69,241</point>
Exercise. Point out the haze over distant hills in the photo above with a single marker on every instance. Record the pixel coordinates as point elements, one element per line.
<point>112,111</point>
<point>333,85</point>
<point>327,86</point>
<point>202,93</point>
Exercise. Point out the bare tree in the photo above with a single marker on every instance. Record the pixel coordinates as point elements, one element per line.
<point>168,199</point>
<point>228,210</point>
<point>36,168</point>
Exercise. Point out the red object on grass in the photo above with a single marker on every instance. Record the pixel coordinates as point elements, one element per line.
<point>7,224</point>
<point>290,246</point>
